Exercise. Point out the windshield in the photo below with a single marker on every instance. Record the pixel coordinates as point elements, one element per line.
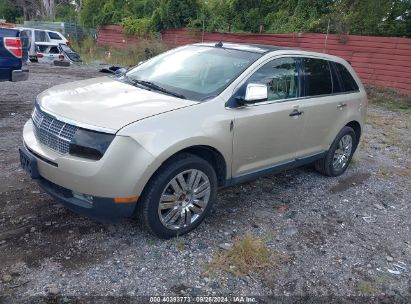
<point>195,72</point>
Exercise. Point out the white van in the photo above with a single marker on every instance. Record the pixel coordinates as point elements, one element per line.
<point>39,35</point>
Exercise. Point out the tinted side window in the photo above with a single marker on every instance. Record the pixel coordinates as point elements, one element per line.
<point>281,78</point>
<point>317,77</point>
<point>337,85</point>
<point>40,36</point>
<point>348,82</point>
<point>54,50</point>
<point>54,36</point>
<point>42,48</point>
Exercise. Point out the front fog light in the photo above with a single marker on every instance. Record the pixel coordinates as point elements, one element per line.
<point>83,197</point>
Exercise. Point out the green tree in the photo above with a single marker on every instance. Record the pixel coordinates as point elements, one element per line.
<point>175,13</point>
<point>9,11</point>
<point>370,17</point>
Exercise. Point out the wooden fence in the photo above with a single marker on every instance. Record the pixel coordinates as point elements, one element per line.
<point>380,61</point>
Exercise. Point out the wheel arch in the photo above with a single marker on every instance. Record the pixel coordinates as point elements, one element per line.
<point>210,154</point>
<point>355,125</point>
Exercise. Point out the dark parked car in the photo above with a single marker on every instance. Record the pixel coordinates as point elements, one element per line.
<point>11,53</point>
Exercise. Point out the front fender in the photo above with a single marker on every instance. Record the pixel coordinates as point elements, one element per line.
<point>164,135</point>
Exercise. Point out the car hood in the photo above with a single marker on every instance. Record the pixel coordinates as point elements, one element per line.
<point>106,103</point>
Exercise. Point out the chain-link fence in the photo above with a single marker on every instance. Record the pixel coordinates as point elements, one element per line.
<point>71,30</point>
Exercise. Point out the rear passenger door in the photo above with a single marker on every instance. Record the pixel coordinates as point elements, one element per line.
<point>323,104</point>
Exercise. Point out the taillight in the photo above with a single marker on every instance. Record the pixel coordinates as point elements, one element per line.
<point>61,57</point>
<point>39,55</point>
<point>68,43</point>
<point>13,45</point>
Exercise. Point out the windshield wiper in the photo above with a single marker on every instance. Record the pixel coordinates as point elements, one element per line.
<point>156,87</point>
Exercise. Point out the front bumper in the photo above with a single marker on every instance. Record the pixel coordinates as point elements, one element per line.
<point>122,172</point>
<point>19,75</point>
<point>102,209</point>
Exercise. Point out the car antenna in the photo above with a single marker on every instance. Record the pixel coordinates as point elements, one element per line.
<point>219,44</point>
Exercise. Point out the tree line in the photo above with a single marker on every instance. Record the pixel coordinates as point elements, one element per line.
<point>143,17</point>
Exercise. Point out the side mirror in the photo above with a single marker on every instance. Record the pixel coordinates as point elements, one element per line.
<point>256,92</point>
<point>119,72</point>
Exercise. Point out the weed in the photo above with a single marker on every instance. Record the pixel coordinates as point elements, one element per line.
<point>384,173</point>
<point>179,243</point>
<point>366,287</point>
<point>151,242</point>
<point>248,255</point>
<point>354,160</point>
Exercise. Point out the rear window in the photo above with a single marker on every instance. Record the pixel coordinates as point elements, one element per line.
<point>317,77</point>
<point>54,36</point>
<point>347,81</point>
<point>9,32</point>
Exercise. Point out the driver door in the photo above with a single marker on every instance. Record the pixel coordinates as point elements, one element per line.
<point>267,133</point>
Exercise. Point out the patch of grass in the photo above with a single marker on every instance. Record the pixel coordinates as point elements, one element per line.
<point>269,236</point>
<point>179,243</point>
<point>366,287</point>
<point>381,121</point>
<point>406,172</point>
<point>392,129</point>
<point>247,256</point>
<point>355,160</point>
<point>384,173</point>
<point>389,99</point>
<point>151,242</point>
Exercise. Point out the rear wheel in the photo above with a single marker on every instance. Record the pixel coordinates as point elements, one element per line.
<point>179,196</point>
<point>339,155</point>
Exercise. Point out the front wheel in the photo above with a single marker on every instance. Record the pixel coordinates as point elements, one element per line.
<point>179,196</point>
<point>339,155</point>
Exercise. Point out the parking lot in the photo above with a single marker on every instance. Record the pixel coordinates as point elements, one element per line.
<point>345,236</point>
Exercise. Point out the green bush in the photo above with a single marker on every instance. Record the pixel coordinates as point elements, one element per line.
<point>129,56</point>
<point>140,27</point>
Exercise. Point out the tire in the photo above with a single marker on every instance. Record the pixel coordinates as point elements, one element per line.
<point>326,165</point>
<point>161,190</point>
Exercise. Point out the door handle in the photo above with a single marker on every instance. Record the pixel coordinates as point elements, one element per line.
<point>296,113</point>
<point>341,105</point>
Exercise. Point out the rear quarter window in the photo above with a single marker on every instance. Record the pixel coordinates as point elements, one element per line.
<point>54,36</point>
<point>347,81</point>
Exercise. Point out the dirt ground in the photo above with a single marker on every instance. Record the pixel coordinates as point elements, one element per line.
<point>342,238</point>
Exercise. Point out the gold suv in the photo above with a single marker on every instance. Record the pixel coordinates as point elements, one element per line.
<point>158,140</point>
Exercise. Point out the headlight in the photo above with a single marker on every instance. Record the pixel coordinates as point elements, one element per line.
<point>90,144</point>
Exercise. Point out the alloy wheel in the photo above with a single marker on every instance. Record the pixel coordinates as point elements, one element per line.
<point>343,152</point>
<point>184,199</point>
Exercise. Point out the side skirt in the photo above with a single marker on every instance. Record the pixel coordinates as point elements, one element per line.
<point>298,162</point>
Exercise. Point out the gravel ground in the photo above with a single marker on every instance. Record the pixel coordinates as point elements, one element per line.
<point>345,236</point>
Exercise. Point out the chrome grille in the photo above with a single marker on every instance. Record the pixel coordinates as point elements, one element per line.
<point>52,132</point>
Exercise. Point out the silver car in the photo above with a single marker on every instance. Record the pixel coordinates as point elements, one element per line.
<point>159,140</point>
